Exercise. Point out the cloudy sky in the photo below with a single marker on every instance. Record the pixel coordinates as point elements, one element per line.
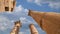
<point>21,13</point>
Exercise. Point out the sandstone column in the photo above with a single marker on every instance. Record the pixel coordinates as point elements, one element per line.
<point>16,28</point>
<point>7,5</point>
<point>33,29</point>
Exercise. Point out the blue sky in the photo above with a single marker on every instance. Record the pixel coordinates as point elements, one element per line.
<point>21,13</point>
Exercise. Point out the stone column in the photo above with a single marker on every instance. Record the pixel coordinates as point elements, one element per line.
<point>16,28</point>
<point>33,29</point>
<point>7,5</point>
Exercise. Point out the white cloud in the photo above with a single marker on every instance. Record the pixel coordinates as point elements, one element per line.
<point>21,32</point>
<point>25,20</point>
<point>5,23</point>
<point>26,11</point>
<point>19,8</point>
<point>52,3</point>
<point>38,2</point>
<point>29,0</point>
<point>22,18</point>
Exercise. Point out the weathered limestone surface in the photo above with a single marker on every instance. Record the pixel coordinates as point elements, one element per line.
<point>33,29</point>
<point>48,21</point>
<point>16,28</point>
<point>7,5</point>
